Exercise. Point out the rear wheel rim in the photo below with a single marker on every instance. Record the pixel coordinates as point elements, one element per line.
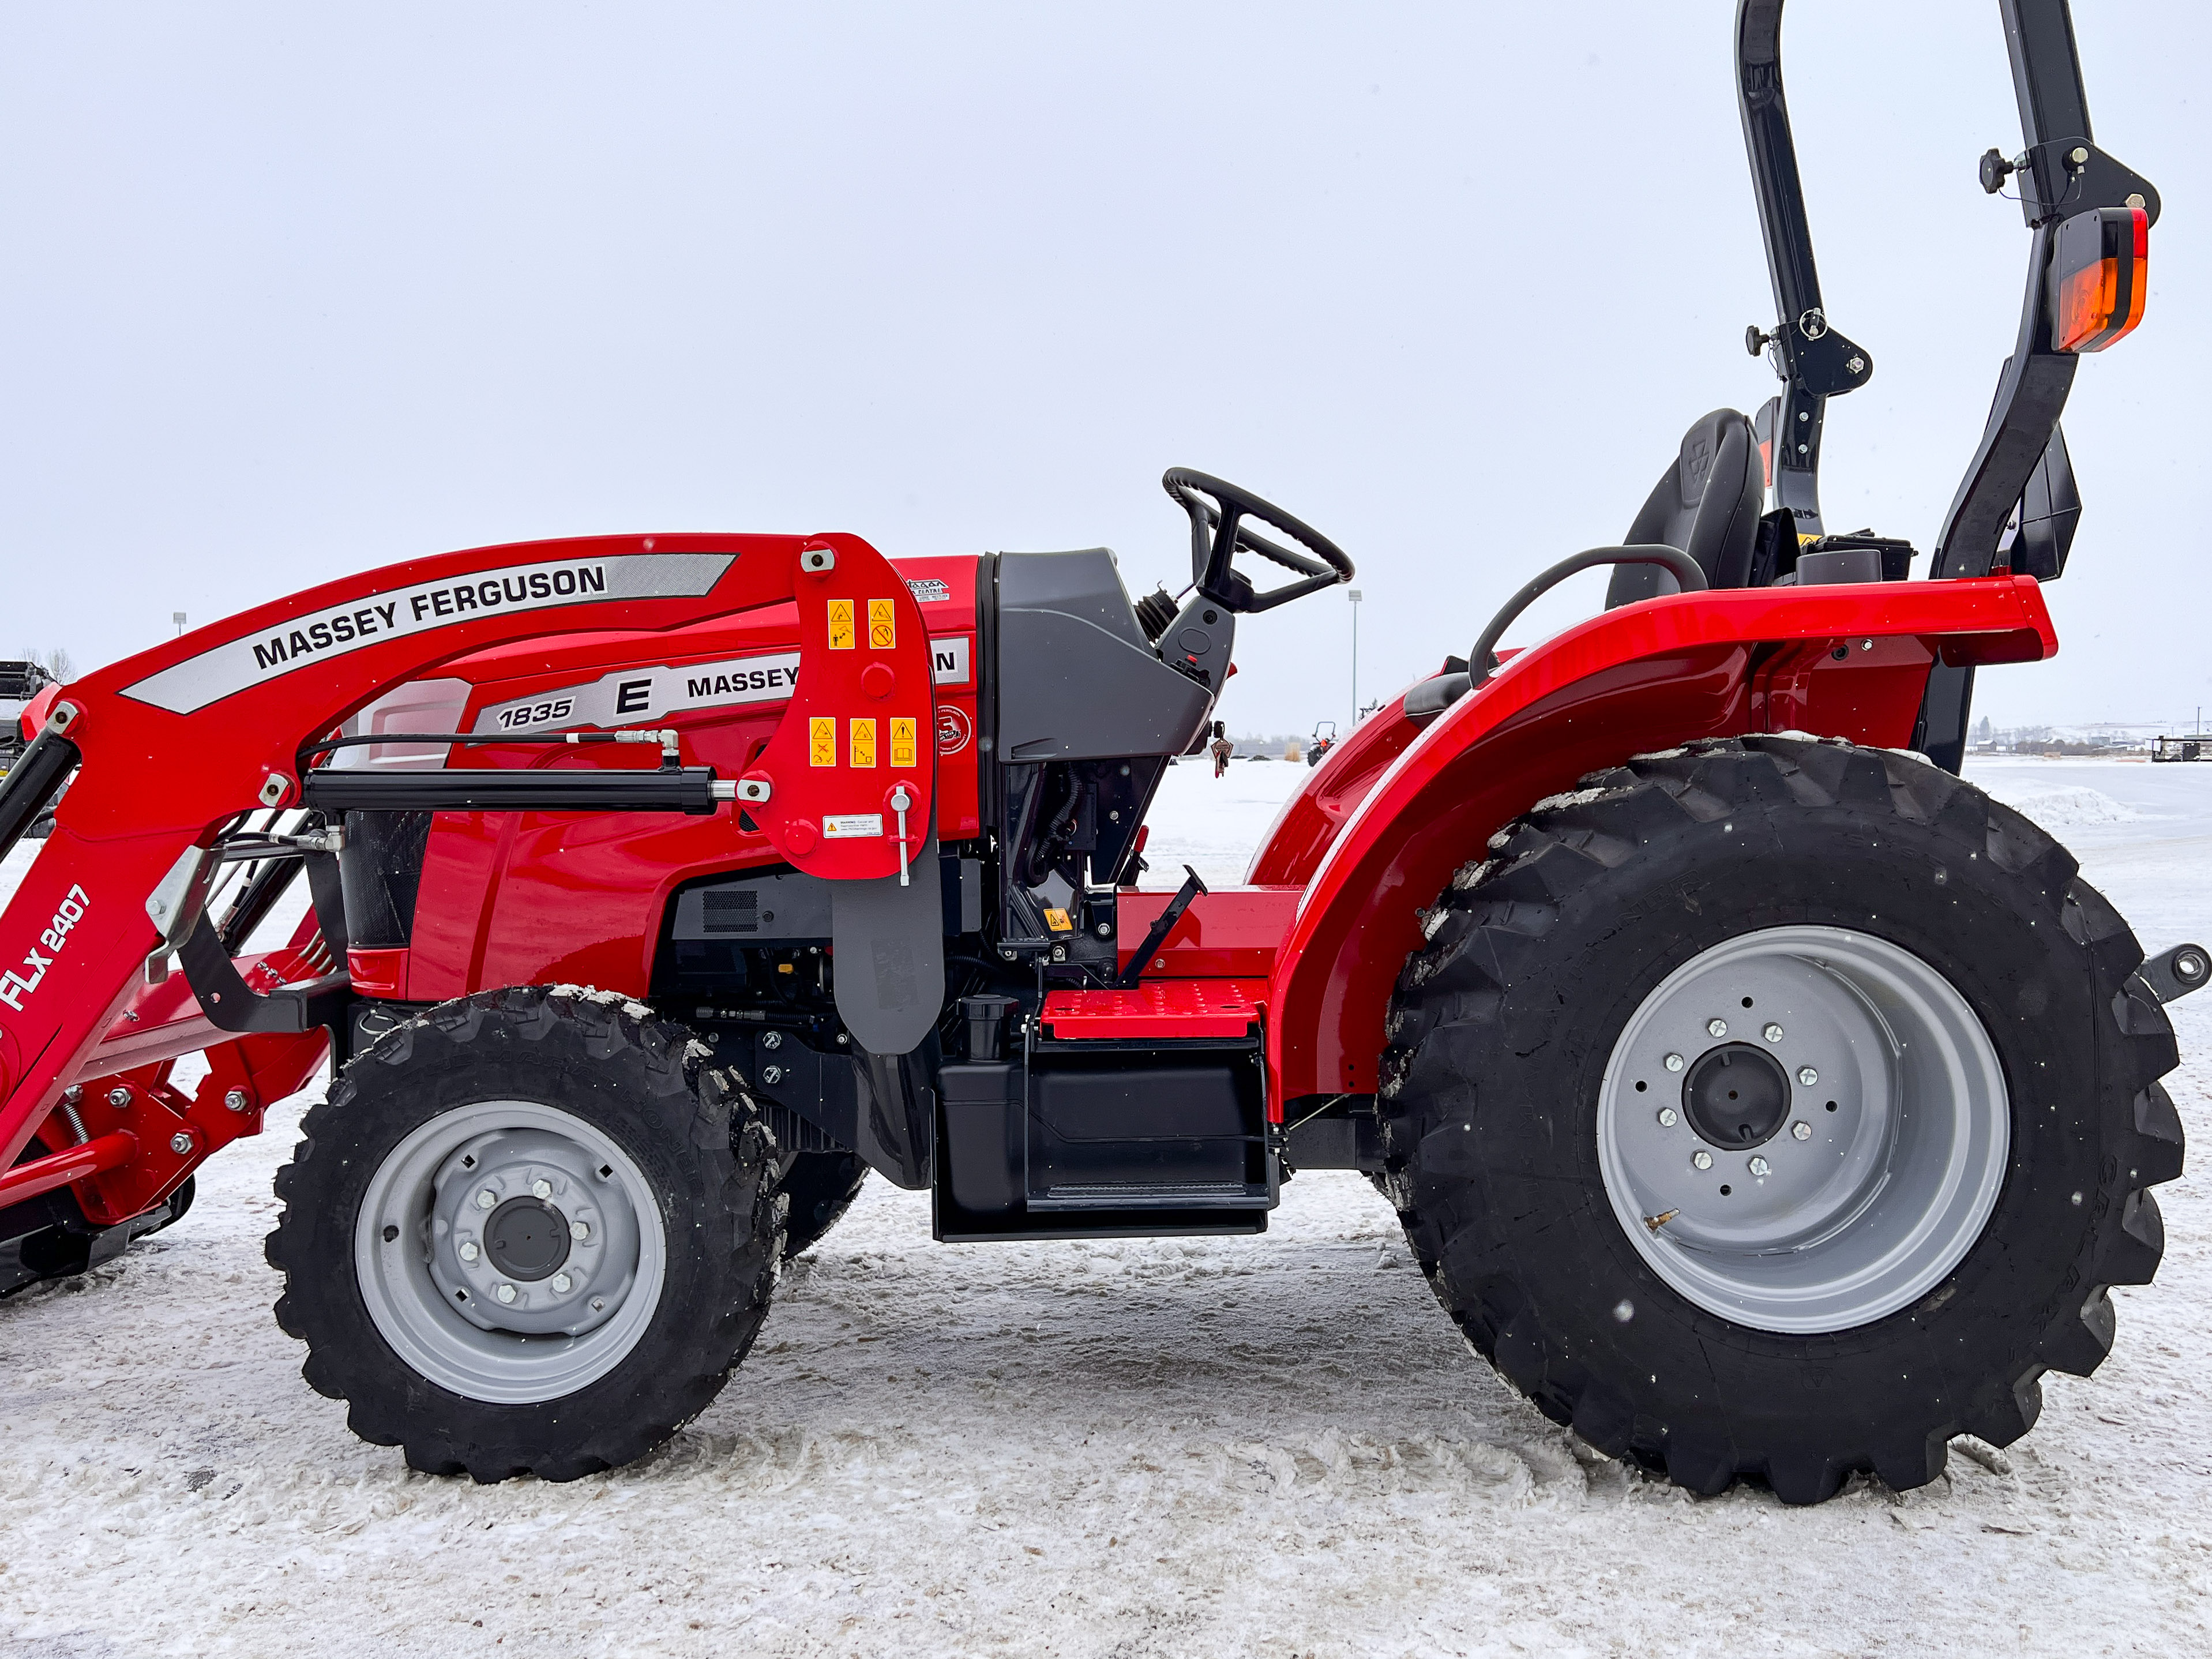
<point>532,1295</point>
<point>1870,1184</point>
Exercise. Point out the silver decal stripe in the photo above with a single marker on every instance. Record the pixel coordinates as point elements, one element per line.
<point>948,656</point>
<point>320,637</point>
<point>640,696</point>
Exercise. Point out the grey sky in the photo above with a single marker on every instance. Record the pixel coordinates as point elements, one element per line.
<point>290,292</point>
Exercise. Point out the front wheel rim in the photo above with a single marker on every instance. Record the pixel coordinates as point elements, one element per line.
<point>528,1297</point>
<point>1852,1193</point>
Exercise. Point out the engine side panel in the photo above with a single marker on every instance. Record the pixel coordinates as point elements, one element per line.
<point>522,898</point>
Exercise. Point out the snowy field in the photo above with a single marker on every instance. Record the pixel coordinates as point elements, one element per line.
<point>1256,1446</point>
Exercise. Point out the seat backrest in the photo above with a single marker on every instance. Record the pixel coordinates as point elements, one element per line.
<point>1706,503</point>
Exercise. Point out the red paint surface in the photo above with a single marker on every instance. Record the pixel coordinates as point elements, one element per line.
<point>1158,1008</point>
<point>134,809</point>
<point>1226,931</point>
<point>1646,677</point>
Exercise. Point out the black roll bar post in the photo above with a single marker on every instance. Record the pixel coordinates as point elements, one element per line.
<point>2061,173</point>
<point>1814,361</point>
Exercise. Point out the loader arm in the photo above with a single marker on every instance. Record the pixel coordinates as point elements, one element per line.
<point>170,748</point>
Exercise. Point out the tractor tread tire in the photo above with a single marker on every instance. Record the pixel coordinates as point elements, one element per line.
<point>644,1081</point>
<point>1470,1009</point>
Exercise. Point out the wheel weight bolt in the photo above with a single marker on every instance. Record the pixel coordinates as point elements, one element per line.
<point>1772,1033</point>
<point>1668,1117</point>
<point>1716,1028</point>
<point>1674,1062</point>
<point>1702,1159</point>
<point>1807,1076</point>
<point>1758,1166</point>
<point>1801,1130</point>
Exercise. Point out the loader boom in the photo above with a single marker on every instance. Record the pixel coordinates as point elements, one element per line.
<point>122,878</point>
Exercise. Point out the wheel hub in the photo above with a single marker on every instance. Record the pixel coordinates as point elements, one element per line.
<point>1736,1096</point>
<point>526,1238</point>
<point>1827,1161</point>
<point>510,1251</point>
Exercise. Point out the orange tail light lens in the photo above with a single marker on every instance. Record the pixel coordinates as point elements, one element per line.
<point>2100,272</point>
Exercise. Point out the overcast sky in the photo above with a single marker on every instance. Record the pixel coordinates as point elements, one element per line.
<point>290,292</point>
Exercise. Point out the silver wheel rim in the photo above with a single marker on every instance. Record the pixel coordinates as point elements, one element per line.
<point>1884,1164</point>
<point>499,1251</point>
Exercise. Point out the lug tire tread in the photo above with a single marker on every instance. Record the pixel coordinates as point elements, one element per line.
<point>653,1063</point>
<point>1489,928</point>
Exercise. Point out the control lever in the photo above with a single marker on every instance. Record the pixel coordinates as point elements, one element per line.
<point>900,801</point>
<point>1192,889</point>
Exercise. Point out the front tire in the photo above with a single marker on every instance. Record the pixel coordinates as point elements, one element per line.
<point>527,1233</point>
<point>1908,1262</point>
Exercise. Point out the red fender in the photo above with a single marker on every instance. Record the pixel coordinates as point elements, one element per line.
<point>1848,661</point>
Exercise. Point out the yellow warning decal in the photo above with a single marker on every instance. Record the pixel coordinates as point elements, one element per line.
<point>863,742</point>
<point>882,635</point>
<point>902,741</point>
<point>1057,921</point>
<point>841,624</point>
<point>821,734</point>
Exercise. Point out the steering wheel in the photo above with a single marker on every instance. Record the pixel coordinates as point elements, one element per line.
<point>1219,531</point>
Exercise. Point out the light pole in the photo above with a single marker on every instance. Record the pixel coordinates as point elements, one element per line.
<point>1352,593</point>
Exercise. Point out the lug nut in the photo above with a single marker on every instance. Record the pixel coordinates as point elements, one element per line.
<point>180,1143</point>
<point>234,1100</point>
<point>469,1252</point>
<point>1801,1130</point>
<point>1807,1076</point>
<point>505,1293</point>
<point>1772,1033</point>
<point>1760,1166</point>
<point>541,1187</point>
<point>1667,1117</point>
<point>1703,1159</point>
<point>563,1283</point>
<point>487,1198</point>
<point>579,1231</point>
<point>1674,1062</point>
<point>1716,1028</point>
<point>118,1096</point>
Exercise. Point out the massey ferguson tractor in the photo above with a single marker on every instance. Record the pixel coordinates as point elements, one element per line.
<point>1758,1097</point>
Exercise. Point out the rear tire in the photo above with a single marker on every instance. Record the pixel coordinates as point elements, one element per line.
<point>527,1233</point>
<point>1712,1341</point>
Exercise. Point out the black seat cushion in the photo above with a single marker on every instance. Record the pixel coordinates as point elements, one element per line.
<point>1706,503</point>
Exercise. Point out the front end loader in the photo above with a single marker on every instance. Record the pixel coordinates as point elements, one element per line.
<point>1761,1099</point>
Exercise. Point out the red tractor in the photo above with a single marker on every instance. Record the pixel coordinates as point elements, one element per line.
<point>1759,1097</point>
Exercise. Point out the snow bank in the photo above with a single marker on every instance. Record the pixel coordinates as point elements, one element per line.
<point>2060,807</point>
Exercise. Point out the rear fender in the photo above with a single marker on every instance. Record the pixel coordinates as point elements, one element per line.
<point>1848,661</point>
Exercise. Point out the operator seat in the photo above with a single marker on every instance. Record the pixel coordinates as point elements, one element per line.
<point>1706,503</point>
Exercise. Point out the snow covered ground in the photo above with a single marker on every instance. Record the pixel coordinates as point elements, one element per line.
<point>1263,1446</point>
